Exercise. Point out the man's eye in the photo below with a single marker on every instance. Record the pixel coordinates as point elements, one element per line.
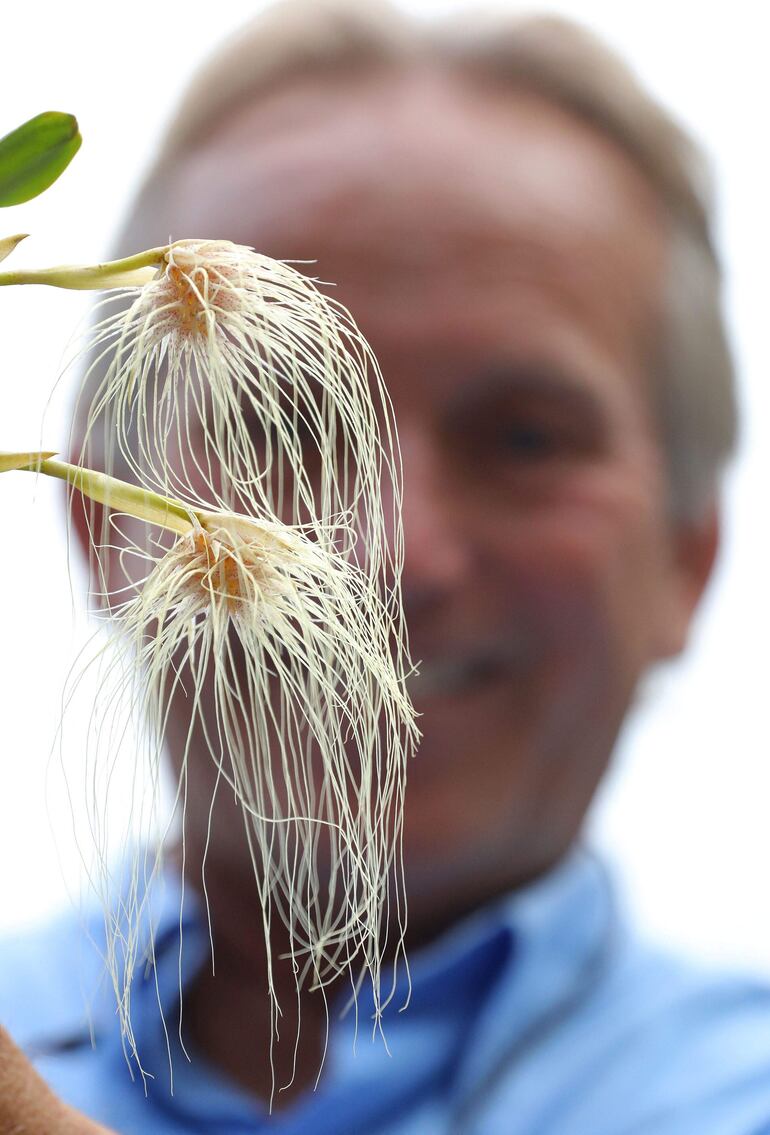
<point>524,422</point>
<point>530,441</point>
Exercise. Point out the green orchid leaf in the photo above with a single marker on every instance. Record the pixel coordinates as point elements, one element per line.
<point>34,155</point>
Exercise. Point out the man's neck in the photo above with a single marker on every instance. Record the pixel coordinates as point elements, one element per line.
<point>233,1022</point>
<point>245,1014</point>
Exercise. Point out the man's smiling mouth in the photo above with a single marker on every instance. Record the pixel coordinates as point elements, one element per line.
<point>452,676</point>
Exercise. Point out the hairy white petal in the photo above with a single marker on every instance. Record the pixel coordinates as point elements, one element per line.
<point>290,648</point>
<point>233,378</point>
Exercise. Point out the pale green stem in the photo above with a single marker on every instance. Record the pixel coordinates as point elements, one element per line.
<point>131,271</point>
<point>118,495</point>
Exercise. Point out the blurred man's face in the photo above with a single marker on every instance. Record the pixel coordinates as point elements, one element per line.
<point>505,262</point>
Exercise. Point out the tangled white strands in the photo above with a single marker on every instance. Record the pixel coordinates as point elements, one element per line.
<point>312,728</point>
<point>233,379</point>
<point>232,384</point>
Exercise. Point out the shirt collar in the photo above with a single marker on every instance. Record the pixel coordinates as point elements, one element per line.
<point>564,928</point>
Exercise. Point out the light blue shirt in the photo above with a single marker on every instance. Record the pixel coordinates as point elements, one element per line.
<point>539,1015</point>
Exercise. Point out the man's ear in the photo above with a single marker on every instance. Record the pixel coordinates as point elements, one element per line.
<point>694,544</point>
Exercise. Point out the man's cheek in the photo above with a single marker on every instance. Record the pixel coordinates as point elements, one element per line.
<point>580,565</point>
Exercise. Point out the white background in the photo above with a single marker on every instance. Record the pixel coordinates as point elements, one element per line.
<point>684,813</point>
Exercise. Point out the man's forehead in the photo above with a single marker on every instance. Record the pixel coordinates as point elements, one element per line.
<point>420,150</point>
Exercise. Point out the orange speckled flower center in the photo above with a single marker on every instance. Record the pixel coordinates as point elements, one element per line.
<point>186,300</point>
<point>220,572</point>
<point>197,290</point>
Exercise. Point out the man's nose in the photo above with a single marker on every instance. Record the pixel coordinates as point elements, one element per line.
<point>436,551</point>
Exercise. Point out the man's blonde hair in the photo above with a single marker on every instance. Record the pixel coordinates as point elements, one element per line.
<point>563,62</point>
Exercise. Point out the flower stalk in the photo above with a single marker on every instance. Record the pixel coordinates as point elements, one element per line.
<point>120,496</point>
<point>129,272</point>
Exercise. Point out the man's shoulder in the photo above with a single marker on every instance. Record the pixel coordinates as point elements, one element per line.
<point>642,1039</point>
<point>51,979</point>
<point>681,1046</point>
<point>683,1009</point>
